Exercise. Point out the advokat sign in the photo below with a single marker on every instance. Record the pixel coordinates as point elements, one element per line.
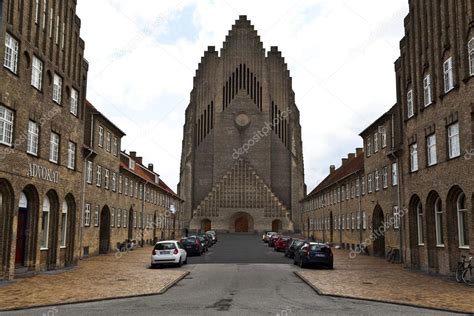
<point>42,173</point>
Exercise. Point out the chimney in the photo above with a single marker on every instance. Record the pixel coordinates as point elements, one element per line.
<point>344,161</point>
<point>351,156</point>
<point>359,152</point>
<point>133,154</point>
<point>139,160</point>
<point>150,167</point>
<point>332,168</point>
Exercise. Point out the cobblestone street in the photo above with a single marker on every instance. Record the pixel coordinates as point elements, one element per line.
<point>373,278</point>
<point>96,278</point>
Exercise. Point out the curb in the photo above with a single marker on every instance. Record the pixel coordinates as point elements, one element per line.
<point>319,292</point>
<point>160,292</point>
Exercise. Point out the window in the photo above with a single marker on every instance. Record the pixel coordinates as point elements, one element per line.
<point>37,73</point>
<point>57,30</point>
<point>87,215</point>
<point>463,224</point>
<point>385,177</point>
<point>357,187</point>
<point>453,140</point>
<point>74,101</point>
<point>431,149</point>
<point>101,136</point>
<point>96,216</point>
<point>125,190</point>
<point>394,174</point>
<point>119,218</point>
<point>54,148</point>
<point>413,157</point>
<point>419,213</point>
<point>36,11</point>
<point>106,179</point>
<point>358,220</point>
<point>353,221</point>
<point>471,56</point>
<point>135,219</point>
<point>114,181</point>
<point>427,94</point>
<point>131,188</point>
<point>363,185</point>
<point>120,184</point>
<point>33,136</point>
<point>439,222</point>
<point>6,126</point>
<point>89,172</point>
<point>369,146</point>
<point>448,75</point>
<point>383,136</point>
<point>63,31</point>
<point>396,217</point>
<point>45,4</point>
<point>131,163</point>
<point>347,191</point>
<point>71,156</point>
<point>112,217</point>
<point>370,183</point>
<point>107,142</point>
<point>63,235</point>
<point>377,180</point>
<point>11,53</point>
<point>51,15</point>
<point>57,89</point>
<point>376,142</point>
<point>98,178</point>
<point>45,223</point>
<point>124,218</point>
<point>115,147</point>
<point>136,190</point>
<point>364,220</point>
<point>410,107</point>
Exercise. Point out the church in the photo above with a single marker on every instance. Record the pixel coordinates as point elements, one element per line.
<point>242,161</point>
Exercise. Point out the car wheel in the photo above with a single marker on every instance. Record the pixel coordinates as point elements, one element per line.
<point>294,261</point>
<point>180,263</point>
<point>186,261</point>
<point>302,265</point>
<point>155,266</point>
<point>331,266</point>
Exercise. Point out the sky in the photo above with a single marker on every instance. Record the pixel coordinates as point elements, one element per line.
<point>143,55</point>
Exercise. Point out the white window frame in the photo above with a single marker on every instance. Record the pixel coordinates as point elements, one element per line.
<point>33,138</point>
<point>394,174</point>
<point>376,142</point>
<point>101,136</point>
<point>454,146</point>
<point>54,142</point>
<point>96,216</point>
<point>63,233</point>
<point>383,136</point>
<point>112,217</point>
<point>427,90</point>
<point>364,220</point>
<point>119,218</point>
<point>414,157</point>
<point>87,215</point>
<point>98,180</point>
<point>438,209</point>
<point>370,180</point>
<point>71,155</point>
<point>396,217</point>
<point>108,141</point>
<point>90,172</point>
<point>115,146</point>
<point>470,48</point>
<point>36,11</point>
<point>385,177</point>
<point>124,219</point>
<point>448,75</point>
<point>114,181</point>
<point>74,101</point>
<point>45,217</point>
<point>10,60</point>
<point>410,105</point>
<point>57,88</point>
<point>461,210</point>
<point>106,178</point>
<point>131,163</point>
<point>432,158</point>
<point>369,146</point>
<point>37,73</point>
<point>420,224</point>
<point>120,182</point>
<point>377,180</point>
<point>7,118</point>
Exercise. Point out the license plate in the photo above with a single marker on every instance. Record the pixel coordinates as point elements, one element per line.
<point>320,255</point>
<point>164,252</point>
<point>189,247</point>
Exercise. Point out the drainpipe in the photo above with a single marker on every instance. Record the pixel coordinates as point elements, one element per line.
<point>399,181</point>
<point>143,213</point>
<point>338,194</point>
<point>361,221</point>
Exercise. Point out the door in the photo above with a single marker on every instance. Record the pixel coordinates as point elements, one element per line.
<point>379,241</point>
<point>21,237</point>
<point>130,224</point>
<point>206,225</point>
<point>241,225</point>
<point>104,237</point>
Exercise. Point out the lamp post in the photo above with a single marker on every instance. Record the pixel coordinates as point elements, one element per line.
<point>173,212</point>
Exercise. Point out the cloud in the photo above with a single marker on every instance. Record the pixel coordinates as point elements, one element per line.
<point>143,55</point>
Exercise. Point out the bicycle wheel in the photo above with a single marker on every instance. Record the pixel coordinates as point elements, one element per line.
<point>468,276</point>
<point>459,271</point>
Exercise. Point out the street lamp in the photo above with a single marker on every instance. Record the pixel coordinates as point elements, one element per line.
<point>173,212</point>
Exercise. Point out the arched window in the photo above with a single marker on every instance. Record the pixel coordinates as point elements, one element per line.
<point>62,236</point>
<point>463,225</point>
<point>45,223</point>
<point>439,222</point>
<point>419,222</point>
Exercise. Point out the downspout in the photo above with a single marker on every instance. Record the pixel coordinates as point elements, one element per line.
<point>143,213</point>
<point>399,181</point>
<point>361,221</point>
<point>339,197</point>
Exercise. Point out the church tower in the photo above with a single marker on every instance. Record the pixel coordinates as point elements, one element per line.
<point>242,161</point>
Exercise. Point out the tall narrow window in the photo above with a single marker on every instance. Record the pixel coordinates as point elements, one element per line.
<point>33,136</point>
<point>74,101</point>
<point>108,142</point>
<point>11,53</point>
<point>413,157</point>
<point>419,221</point>
<point>448,74</point>
<point>63,234</point>
<point>376,142</point>
<point>45,223</point>
<point>370,183</point>
<point>51,18</point>
<point>439,222</point>
<point>383,136</point>
<point>385,177</point>
<point>119,218</point>
<point>98,178</point>
<point>112,217</point>
<point>394,174</point>
<point>37,73</point>
<point>364,220</point>
<point>71,156</point>
<point>453,140</point>
<point>89,172</point>
<point>87,215</point>
<point>362,180</point>
<point>114,181</point>
<point>396,217</point>
<point>124,217</point>
<point>36,11</point>
<point>471,56</point>
<point>115,147</point>
<point>57,89</point>
<point>6,126</point>
<point>120,184</point>
<point>369,146</point>
<point>463,224</point>
<point>57,31</point>
<point>96,216</point>
<point>45,6</point>
<point>101,136</point>
<point>377,180</point>
<point>106,178</point>
<point>54,147</point>
<point>427,90</point>
<point>431,150</point>
<point>410,107</point>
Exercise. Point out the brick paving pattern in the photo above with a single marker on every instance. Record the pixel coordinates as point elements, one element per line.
<point>374,278</point>
<point>95,278</point>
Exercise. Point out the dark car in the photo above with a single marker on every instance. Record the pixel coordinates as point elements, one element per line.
<point>208,238</point>
<point>314,254</point>
<point>203,241</point>
<point>292,247</point>
<point>192,245</point>
<point>272,239</point>
<point>213,234</point>
<point>282,242</point>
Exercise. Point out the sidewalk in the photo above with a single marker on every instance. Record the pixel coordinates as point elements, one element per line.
<point>372,278</point>
<point>96,278</point>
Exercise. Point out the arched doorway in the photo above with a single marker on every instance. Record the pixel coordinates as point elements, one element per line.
<point>379,232</point>
<point>415,208</point>
<point>27,228</point>
<point>104,234</point>
<point>276,225</point>
<point>68,227</point>
<point>206,225</point>
<point>51,231</point>
<point>7,199</point>
<point>241,222</point>
<point>434,229</point>
<point>457,217</point>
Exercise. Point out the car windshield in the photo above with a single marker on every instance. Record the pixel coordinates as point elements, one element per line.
<point>165,246</point>
<point>297,243</point>
<point>189,241</point>
<point>320,248</point>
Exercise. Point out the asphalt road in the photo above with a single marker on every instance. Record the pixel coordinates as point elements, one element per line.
<point>245,288</point>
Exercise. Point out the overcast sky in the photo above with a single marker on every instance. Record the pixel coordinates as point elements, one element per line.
<point>143,55</point>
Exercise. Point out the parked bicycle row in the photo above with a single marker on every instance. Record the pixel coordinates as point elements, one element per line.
<point>176,252</point>
<point>304,253</point>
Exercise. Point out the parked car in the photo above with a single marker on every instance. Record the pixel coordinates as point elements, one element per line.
<point>192,245</point>
<point>282,242</point>
<point>203,242</point>
<point>214,235</point>
<point>292,247</point>
<point>267,236</point>
<point>272,239</point>
<point>168,252</point>
<point>313,253</point>
<point>208,239</point>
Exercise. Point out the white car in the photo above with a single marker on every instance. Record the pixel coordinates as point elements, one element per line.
<point>168,252</point>
<point>267,236</point>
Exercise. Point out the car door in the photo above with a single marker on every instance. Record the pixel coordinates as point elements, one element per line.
<point>182,251</point>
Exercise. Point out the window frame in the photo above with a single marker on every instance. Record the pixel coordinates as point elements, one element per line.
<point>57,88</point>
<point>12,48</point>
<point>470,53</point>
<point>420,224</point>
<point>100,141</point>
<point>8,125</point>
<point>32,144</point>
<point>74,102</point>
<point>410,104</point>
<point>37,67</point>
<point>427,91</point>
<point>438,210</point>
<point>463,244</point>
<point>431,152</point>
<point>451,153</point>
<point>54,148</point>
<point>87,215</point>
<point>414,165</point>
<point>448,75</point>
<point>71,155</point>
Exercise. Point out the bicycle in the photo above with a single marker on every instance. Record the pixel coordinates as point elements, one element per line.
<point>392,255</point>
<point>468,273</point>
<point>460,268</point>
